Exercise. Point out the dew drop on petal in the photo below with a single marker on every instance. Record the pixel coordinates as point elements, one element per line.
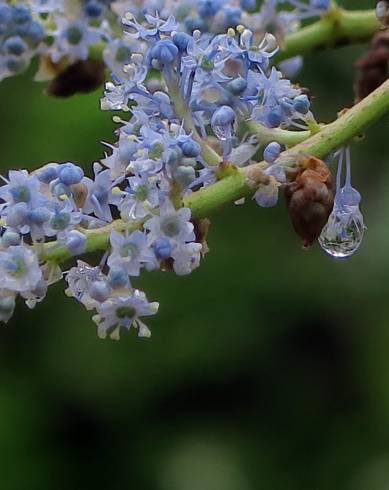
<point>222,131</point>
<point>343,233</point>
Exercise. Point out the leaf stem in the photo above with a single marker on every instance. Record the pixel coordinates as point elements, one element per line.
<point>234,186</point>
<point>338,28</point>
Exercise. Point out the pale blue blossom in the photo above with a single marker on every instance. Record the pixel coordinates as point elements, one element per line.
<point>100,194</point>
<point>123,312</point>
<point>131,252</point>
<point>19,268</point>
<point>171,223</point>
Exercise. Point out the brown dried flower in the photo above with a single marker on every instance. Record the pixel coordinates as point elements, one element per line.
<point>310,198</point>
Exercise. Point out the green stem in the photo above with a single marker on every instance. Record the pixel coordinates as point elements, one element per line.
<point>234,186</point>
<point>283,136</point>
<point>97,239</point>
<point>331,137</point>
<point>184,113</point>
<point>339,28</point>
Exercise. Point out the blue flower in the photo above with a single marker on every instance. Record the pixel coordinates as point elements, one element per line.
<point>131,252</point>
<point>123,312</point>
<point>141,197</point>
<point>172,224</point>
<point>100,194</point>
<point>72,38</point>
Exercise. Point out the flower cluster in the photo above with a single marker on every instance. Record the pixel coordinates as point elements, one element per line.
<point>180,89</point>
<point>62,32</point>
<point>188,96</point>
<point>20,35</point>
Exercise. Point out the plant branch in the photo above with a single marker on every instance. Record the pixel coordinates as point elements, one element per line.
<point>338,28</point>
<point>234,186</point>
<point>352,123</point>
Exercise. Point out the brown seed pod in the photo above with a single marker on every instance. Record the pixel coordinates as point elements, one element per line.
<point>82,76</point>
<point>310,198</point>
<point>373,66</point>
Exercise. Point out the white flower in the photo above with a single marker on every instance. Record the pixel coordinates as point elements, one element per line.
<point>186,258</point>
<point>117,312</point>
<point>19,269</point>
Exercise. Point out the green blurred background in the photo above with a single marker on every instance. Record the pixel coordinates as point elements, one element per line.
<point>268,367</point>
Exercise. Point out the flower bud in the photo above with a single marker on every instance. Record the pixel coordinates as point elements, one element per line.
<point>69,174</point>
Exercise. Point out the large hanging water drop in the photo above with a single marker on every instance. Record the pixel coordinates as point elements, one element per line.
<point>342,235</point>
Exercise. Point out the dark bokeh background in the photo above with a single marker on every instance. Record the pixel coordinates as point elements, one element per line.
<point>268,367</point>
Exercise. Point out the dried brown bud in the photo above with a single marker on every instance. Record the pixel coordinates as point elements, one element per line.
<point>310,198</point>
<point>373,66</point>
<point>201,229</point>
<point>82,76</point>
<point>80,193</point>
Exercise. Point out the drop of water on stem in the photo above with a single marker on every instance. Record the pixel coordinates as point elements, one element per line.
<point>343,234</point>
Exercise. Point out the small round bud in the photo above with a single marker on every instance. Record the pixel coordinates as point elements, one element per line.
<point>272,152</point>
<point>39,215</point>
<point>94,8</point>
<point>274,118</point>
<point>237,86</point>
<point>17,215</point>
<point>99,291</point>
<point>301,103</point>
<point>248,5</point>
<point>36,33</point>
<point>48,173</point>
<point>162,248</point>
<point>320,4</point>
<point>15,46</point>
<point>10,238</point>
<point>184,176</point>
<point>181,40</point>
<point>117,278</point>
<point>74,35</point>
<point>208,8</point>
<point>191,149</point>
<point>76,242</point>
<point>164,52</point>
<point>69,174</point>
<point>21,15</point>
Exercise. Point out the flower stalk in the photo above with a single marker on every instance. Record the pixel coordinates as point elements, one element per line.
<point>338,28</point>
<point>234,186</point>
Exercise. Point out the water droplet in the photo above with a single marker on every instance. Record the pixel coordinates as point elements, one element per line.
<point>343,233</point>
<point>222,131</point>
<point>222,123</point>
